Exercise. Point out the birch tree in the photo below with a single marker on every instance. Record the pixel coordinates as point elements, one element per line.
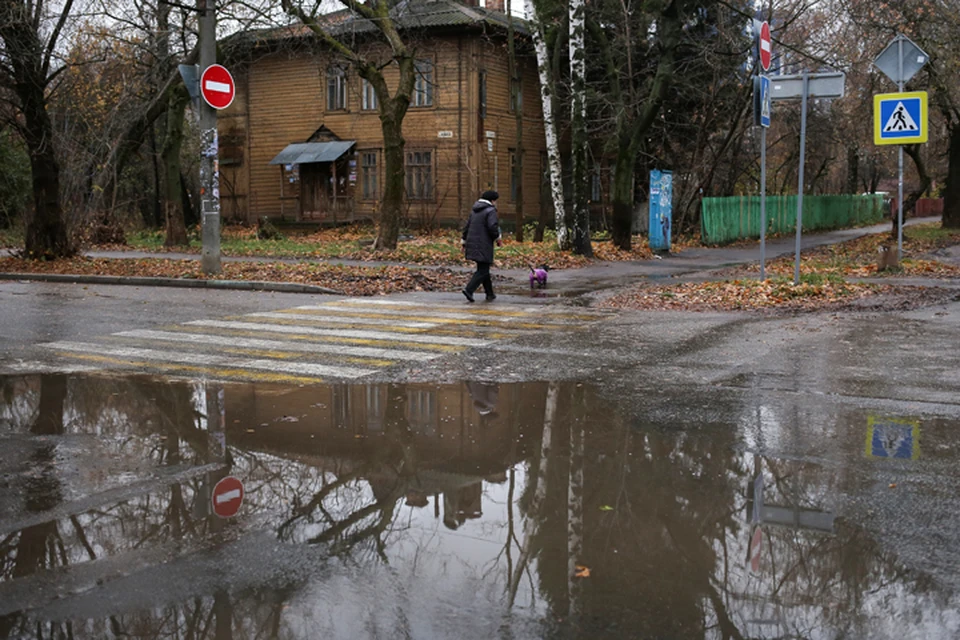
<point>578,127</point>
<point>547,90</point>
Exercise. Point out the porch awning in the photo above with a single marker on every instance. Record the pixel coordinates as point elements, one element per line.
<point>306,152</point>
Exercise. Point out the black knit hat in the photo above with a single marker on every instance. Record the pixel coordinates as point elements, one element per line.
<point>490,196</point>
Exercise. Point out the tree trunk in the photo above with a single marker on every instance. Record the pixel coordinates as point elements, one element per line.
<point>46,233</point>
<point>951,192</point>
<point>547,89</point>
<point>391,209</point>
<point>853,169</point>
<point>578,126</point>
<point>622,196</point>
<point>912,150</point>
<point>170,155</point>
<point>516,96</point>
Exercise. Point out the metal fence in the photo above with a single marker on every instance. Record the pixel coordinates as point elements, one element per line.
<point>725,220</point>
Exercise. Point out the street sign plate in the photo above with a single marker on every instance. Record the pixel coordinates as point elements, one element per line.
<point>766,47</point>
<point>913,59</point>
<point>819,85</point>
<point>227,497</point>
<point>765,101</point>
<point>191,78</point>
<point>217,87</point>
<point>900,118</point>
<point>893,438</point>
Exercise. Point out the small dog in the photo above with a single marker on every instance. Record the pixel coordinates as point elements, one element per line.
<point>538,276</point>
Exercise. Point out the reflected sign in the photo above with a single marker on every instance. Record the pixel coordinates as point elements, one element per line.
<point>893,438</point>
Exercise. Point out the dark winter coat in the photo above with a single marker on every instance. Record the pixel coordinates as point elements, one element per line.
<point>480,232</point>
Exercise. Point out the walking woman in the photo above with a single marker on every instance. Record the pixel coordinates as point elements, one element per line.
<point>481,231</point>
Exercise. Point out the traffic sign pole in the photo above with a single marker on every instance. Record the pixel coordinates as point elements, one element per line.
<point>209,149</point>
<point>803,149</point>
<point>763,203</point>
<point>900,162</point>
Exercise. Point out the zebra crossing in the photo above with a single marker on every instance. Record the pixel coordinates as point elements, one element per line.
<point>345,339</point>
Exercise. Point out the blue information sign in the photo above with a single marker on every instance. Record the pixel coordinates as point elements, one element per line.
<point>900,118</point>
<point>765,101</point>
<point>661,209</point>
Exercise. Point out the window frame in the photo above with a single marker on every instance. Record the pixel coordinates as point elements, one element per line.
<point>410,174</point>
<point>368,96</point>
<point>424,84</point>
<point>515,174</point>
<point>336,71</point>
<point>375,153</point>
<point>516,95</point>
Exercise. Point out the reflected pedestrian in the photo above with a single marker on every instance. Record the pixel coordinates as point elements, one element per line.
<point>485,396</point>
<point>480,233</point>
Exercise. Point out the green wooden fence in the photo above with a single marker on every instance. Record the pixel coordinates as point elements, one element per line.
<point>725,220</point>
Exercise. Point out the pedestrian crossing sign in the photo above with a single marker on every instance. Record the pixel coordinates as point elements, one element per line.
<point>893,438</point>
<point>900,118</point>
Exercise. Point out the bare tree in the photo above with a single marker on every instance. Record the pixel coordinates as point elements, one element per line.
<point>29,33</point>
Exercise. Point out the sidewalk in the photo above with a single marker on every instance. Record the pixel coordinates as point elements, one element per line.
<point>691,263</point>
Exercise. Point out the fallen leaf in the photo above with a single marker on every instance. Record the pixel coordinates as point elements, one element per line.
<point>582,572</point>
<point>606,507</point>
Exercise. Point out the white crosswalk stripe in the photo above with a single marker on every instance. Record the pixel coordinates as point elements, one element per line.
<point>342,333</point>
<point>346,339</point>
<point>209,360</point>
<point>329,319</point>
<point>279,345</point>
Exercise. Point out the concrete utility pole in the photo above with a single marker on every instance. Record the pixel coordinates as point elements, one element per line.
<point>209,147</point>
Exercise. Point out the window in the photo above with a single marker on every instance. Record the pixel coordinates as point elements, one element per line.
<point>423,86</point>
<point>516,96</point>
<point>422,410</point>
<point>514,175</point>
<point>375,407</point>
<point>370,177</point>
<point>368,97</point>
<point>595,191</point>
<point>419,171</point>
<point>336,89</point>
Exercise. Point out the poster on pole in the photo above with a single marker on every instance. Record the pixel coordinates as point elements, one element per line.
<point>661,209</point>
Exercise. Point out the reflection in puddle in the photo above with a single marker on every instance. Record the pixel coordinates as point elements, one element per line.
<point>430,511</point>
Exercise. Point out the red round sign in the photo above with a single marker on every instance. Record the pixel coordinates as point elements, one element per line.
<point>766,47</point>
<point>227,497</point>
<point>216,86</point>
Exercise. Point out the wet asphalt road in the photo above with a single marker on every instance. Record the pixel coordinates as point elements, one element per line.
<point>571,474</point>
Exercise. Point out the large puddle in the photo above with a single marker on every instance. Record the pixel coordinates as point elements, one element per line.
<point>463,511</point>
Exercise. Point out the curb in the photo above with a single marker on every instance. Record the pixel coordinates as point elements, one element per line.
<point>234,285</point>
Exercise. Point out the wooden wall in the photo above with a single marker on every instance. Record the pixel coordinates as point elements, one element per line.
<point>281,99</point>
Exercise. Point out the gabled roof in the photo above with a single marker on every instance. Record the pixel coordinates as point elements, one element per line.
<point>422,14</point>
<point>409,15</point>
<point>307,152</point>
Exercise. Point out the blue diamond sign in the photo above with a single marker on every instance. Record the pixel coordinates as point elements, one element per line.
<point>900,118</point>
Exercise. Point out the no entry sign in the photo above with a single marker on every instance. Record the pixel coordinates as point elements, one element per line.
<point>217,87</point>
<point>766,47</point>
<point>227,497</point>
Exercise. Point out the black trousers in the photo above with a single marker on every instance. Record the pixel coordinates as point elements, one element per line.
<point>481,277</point>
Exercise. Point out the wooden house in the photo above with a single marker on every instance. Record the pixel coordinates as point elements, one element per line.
<point>302,140</point>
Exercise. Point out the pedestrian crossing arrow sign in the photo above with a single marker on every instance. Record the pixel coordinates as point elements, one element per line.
<point>900,118</point>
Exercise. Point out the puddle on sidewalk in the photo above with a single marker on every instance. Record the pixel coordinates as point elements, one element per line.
<point>471,510</point>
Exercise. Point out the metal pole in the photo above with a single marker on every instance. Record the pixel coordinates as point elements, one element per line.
<point>209,165</point>
<point>803,150</point>
<point>899,158</point>
<point>763,202</point>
